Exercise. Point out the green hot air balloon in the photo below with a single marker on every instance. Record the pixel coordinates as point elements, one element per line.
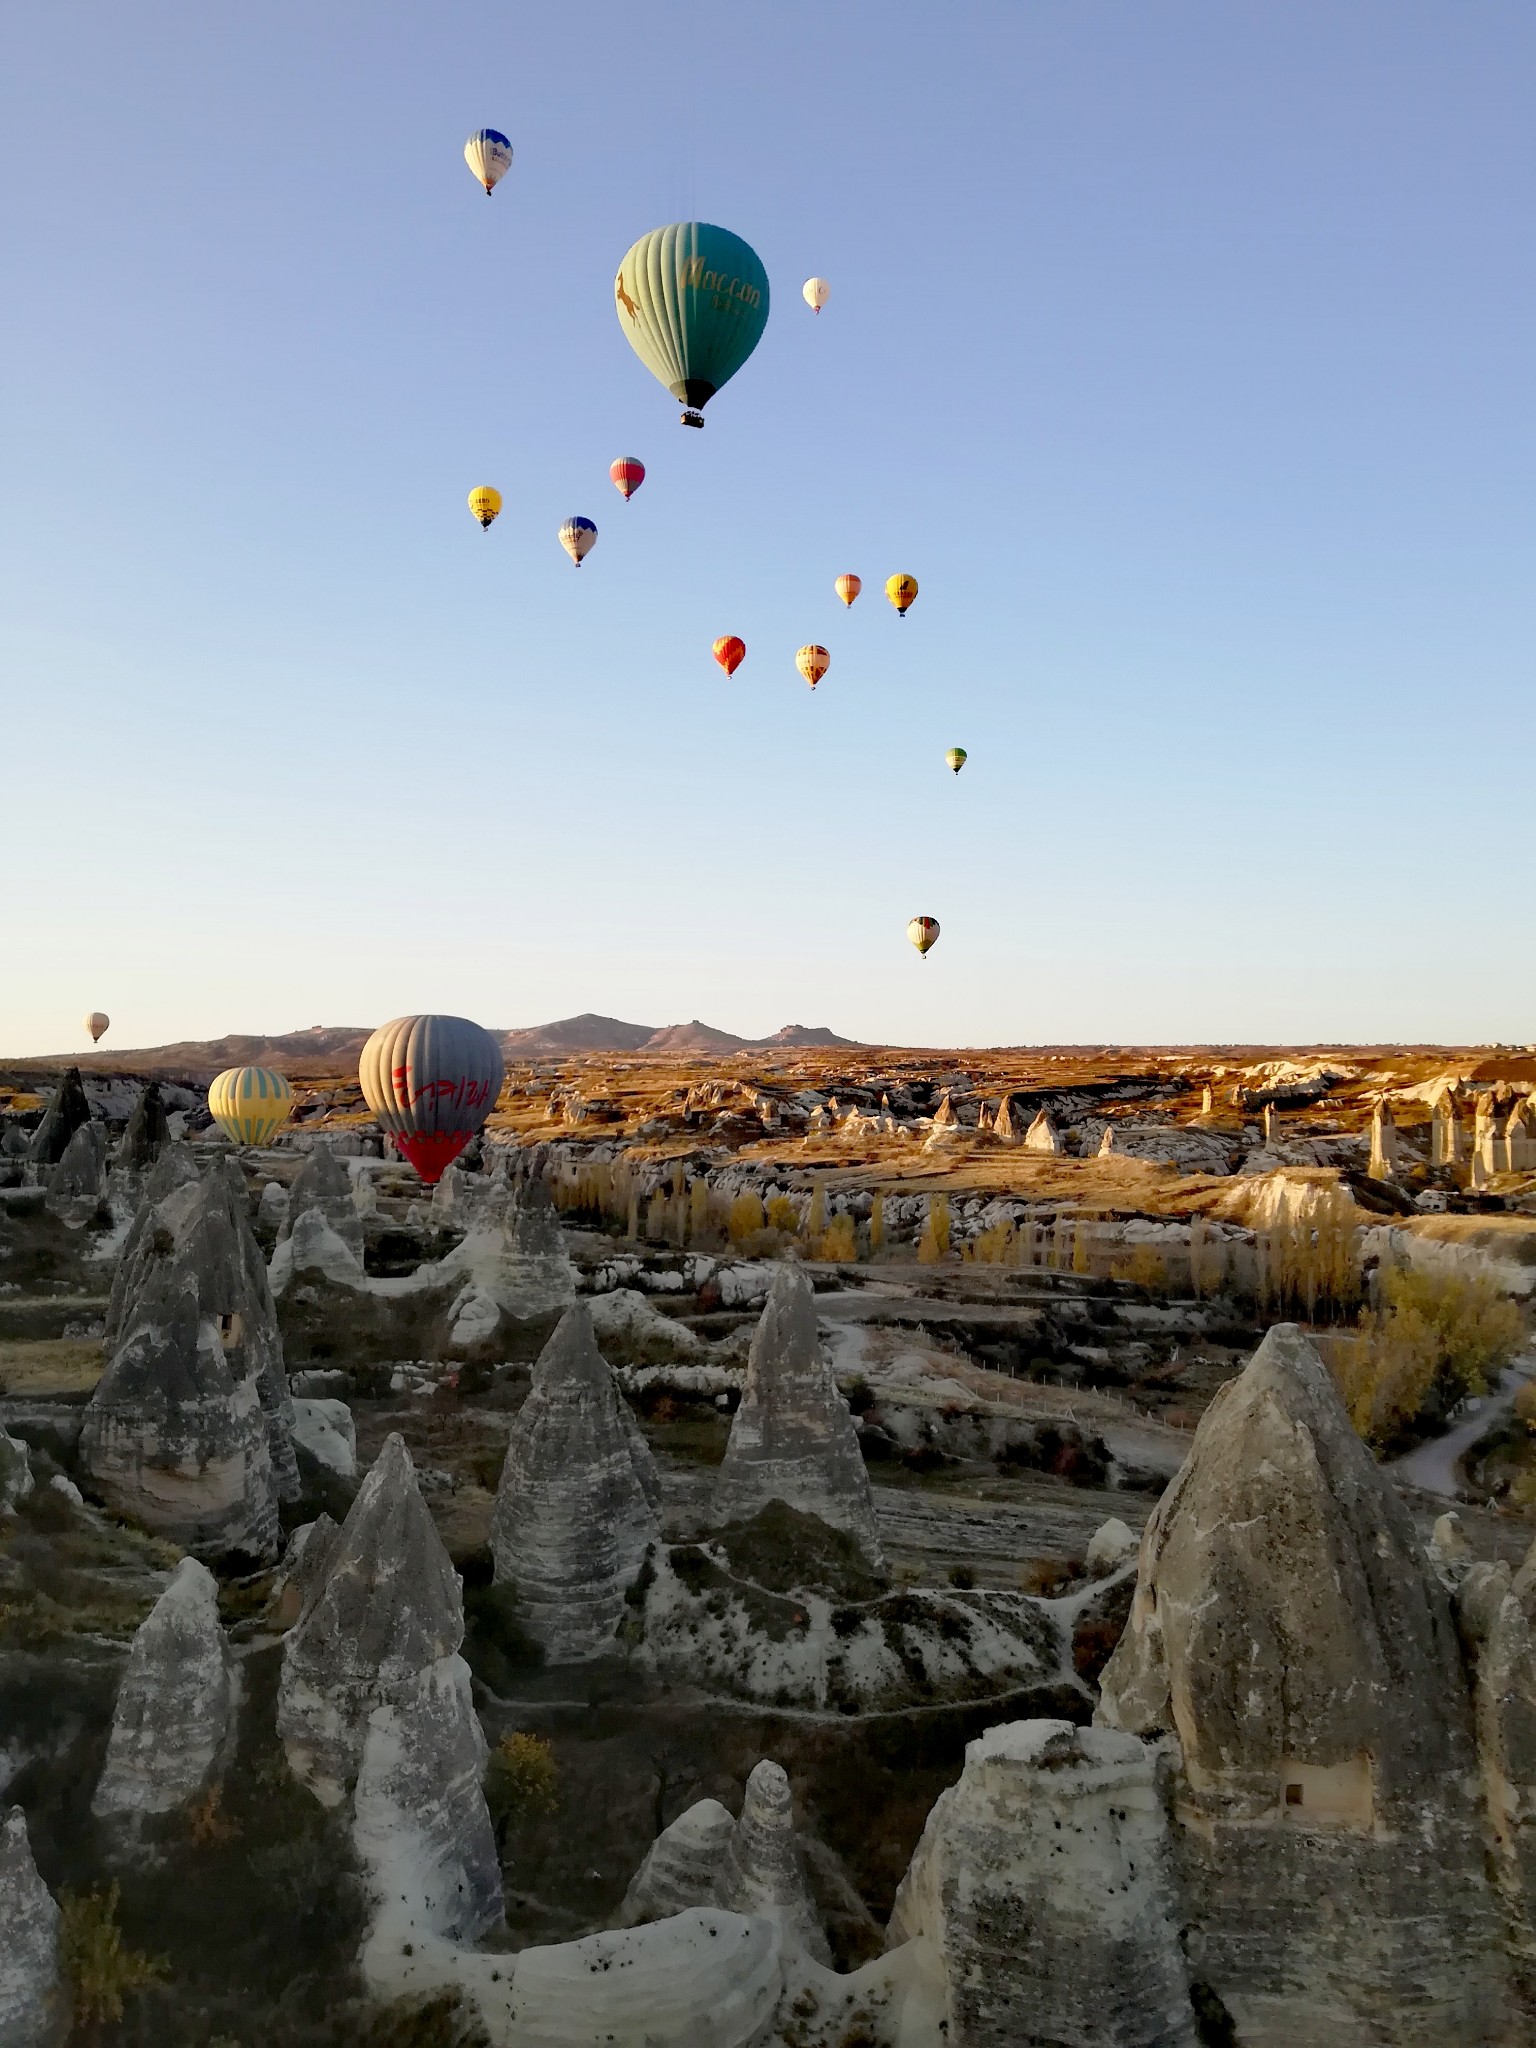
<point>693,301</point>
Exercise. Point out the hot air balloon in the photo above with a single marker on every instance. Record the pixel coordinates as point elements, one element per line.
<point>848,587</point>
<point>693,302</point>
<point>813,663</point>
<point>578,537</point>
<point>249,1104</point>
<point>923,932</point>
<point>730,653</point>
<point>96,1022</point>
<point>956,757</point>
<point>901,590</point>
<point>431,1082</point>
<point>489,155</point>
<point>815,292</point>
<point>628,474</point>
<point>485,503</point>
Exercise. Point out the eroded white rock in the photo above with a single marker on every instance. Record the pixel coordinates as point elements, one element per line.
<point>29,1942</point>
<point>175,1703</point>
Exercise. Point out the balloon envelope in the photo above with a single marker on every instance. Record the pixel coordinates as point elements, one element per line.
<point>578,537</point>
<point>628,474</point>
<point>431,1082</point>
<point>813,663</point>
<point>901,590</point>
<point>730,653</point>
<point>250,1104</point>
<point>848,587</point>
<point>693,302</point>
<point>923,932</point>
<point>957,758</point>
<point>96,1021</point>
<point>815,292</point>
<point>489,155</point>
<point>485,503</point>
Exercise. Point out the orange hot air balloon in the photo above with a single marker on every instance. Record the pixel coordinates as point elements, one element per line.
<point>901,590</point>
<point>730,652</point>
<point>628,474</point>
<point>813,663</point>
<point>848,587</point>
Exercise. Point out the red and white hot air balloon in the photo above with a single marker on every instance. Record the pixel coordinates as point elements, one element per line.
<point>628,474</point>
<point>431,1082</point>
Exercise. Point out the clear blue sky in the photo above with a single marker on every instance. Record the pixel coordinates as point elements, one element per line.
<point>1182,351</point>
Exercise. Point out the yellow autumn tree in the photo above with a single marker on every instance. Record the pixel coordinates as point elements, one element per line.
<point>933,1245</point>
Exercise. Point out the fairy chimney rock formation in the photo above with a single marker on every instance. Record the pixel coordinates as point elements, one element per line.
<point>793,1438</point>
<point>322,1186</point>
<point>1497,1613</point>
<point>29,1942</point>
<point>579,1499</point>
<point>174,1703</point>
<point>1042,1890</point>
<point>682,1866</point>
<point>176,1439</point>
<point>386,1610</point>
<point>1384,1156</point>
<point>1042,1135</point>
<point>761,1871</point>
<point>1288,1630</point>
<point>1004,1126</point>
<point>193,1225</point>
<point>1447,1135</point>
<point>64,1115</point>
<point>148,1132</point>
<point>80,1175</point>
<point>944,1116</point>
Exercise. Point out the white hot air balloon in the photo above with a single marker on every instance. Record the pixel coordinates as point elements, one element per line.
<point>815,292</point>
<point>578,537</point>
<point>96,1022</point>
<point>489,155</point>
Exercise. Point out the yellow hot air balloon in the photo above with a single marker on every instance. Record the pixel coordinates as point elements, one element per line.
<point>901,590</point>
<point>250,1104</point>
<point>485,503</point>
<point>96,1022</point>
<point>956,757</point>
<point>848,587</point>
<point>813,663</point>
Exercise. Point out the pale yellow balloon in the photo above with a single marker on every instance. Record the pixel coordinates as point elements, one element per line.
<point>815,292</point>
<point>250,1104</point>
<point>96,1022</point>
<point>848,587</point>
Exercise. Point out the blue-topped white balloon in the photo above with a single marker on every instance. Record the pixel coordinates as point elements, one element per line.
<point>578,537</point>
<point>489,155</point>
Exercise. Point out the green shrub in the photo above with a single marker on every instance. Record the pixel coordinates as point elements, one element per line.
<point>97,1966</point>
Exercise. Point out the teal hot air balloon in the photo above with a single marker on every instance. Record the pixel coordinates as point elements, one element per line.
<point>693,301</point>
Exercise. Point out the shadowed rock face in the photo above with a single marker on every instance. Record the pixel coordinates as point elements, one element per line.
<point>386,1609</point>
<point>792,1438</point>
<point>176,1439</point>
<point>1497,1612</point>
<point>1041,1889</point>
<point>681,1867</point>
<point>579,1499</point>
<point>29,1942</point>
<point>1287,1631</point>
<point>148,1132</point>
<point>81,1172</point>
<point>68,1110</point>
<point>174,1704</point>
<point>195,1226</point>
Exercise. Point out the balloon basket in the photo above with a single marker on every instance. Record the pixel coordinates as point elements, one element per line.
<point>690,418</point>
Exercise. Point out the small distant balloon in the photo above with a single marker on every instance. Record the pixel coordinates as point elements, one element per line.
<point>250,1104</point>
<point>901,590</point>
<point>578,537</point>
<point>923,933</point>
<point>813,663</point>
<point>848,587</point>
<point>485,503</point>
<point>96,1022</point>
<point>628,474</point>
<point>956,758</point>
<point>815,292</point>
<point>730,653</point>
<point>489,155</point>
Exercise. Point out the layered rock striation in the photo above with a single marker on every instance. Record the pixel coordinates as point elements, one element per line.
<point>29,1943</point>
<point>175,1705</point>
<point>1289,1634</point>
<point>1041,1890</point>
<point>793,1438</point>
<point>579,1499</point>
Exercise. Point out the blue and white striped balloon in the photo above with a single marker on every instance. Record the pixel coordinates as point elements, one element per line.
<point>578,537</point>
<point>489,155</point>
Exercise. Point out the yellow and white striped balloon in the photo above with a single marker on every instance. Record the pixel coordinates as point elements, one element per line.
<point>250,1104</point>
